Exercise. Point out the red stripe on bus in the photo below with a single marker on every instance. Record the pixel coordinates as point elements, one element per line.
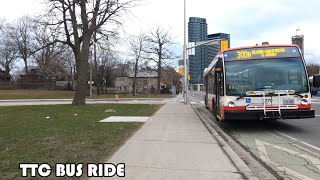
<point>308,106</point>
<point>222,113</point>
<point>236,108</point>
<point>243,108</point>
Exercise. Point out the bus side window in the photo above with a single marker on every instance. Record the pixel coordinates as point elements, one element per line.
<point>219,66</point>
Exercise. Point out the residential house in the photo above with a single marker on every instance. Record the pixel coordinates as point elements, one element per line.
<point>36,79</point>
<point>4,77</point>
<point>34,75</point>
<point>146,81</point>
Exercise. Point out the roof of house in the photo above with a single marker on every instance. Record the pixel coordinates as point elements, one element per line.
<point>141,74</point>
<point>23,71</point>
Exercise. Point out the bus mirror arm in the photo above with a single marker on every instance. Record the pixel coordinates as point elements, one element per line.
<point>316,80</point>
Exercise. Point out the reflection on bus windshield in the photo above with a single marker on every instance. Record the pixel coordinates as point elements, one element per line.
<point>265,74</point>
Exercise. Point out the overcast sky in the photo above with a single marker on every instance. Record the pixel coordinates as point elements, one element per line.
<point>247,21</point>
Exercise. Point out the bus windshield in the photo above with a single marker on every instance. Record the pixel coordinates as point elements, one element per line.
<point>265,74</point>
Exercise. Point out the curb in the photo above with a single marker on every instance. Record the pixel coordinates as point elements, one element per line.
<point>224,140</point>
<point>234,158</point>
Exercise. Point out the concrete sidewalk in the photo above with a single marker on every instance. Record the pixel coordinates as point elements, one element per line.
<point>174,144</point>
<point>31,102</point>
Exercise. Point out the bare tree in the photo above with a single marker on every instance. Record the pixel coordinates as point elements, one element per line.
<point>138,47</point>
<point>108,67</point>
<point>23,37</point>
<point>160,42</point>
<point>50,59</point>
<point>69,57</point>
<point>313,68</point>
<point>79,20</point>
<point>8,50</point>
<point>170,76</point>
<point>2,23</point>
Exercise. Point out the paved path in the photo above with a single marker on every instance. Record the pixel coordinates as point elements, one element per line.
<point>27,102</point>
<point>174,144</point>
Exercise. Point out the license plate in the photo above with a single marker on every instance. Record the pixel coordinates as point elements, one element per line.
<point>266,101</point>
<point>288,101</point>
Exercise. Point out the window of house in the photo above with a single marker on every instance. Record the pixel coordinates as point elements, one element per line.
<point>145,82</point>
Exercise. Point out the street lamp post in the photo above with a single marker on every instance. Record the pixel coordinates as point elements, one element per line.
<point>185,49</point>
<point>184,57</point>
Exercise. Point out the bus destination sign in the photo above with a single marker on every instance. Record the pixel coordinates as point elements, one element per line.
<point>261,53</point>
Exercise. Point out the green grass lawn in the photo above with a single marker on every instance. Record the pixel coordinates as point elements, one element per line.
<point>27,136</point>
<point>44,94</point>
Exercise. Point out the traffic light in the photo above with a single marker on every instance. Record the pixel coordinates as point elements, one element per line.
<point>180,70</point>
<point>189,77</point>
<point>224,45</point>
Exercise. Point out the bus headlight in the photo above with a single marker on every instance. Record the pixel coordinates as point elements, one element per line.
<point>231,104</point>
<point>304,102</point>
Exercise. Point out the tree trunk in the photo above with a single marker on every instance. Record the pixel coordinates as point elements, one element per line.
<point>7,73</point>
<point>135,78</point>
<point>26,67</point>
<point>97,74</point>
<point>96,66</point>
<point>82,65</point>
<point>72,79</point>
<point>159,77</point>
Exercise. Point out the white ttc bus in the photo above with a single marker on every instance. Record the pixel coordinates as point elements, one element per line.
<point>259,82</point>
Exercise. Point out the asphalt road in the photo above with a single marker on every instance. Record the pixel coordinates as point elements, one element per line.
<point>291,147</point>
<point>306,130</point>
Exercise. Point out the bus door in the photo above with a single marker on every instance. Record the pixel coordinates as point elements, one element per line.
<point>206,87</point>
<point>218,88</point>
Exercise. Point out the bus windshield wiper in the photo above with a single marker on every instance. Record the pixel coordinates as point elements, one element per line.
<point>241,96</point>
<point>259,89</point>
<point>298,94</point>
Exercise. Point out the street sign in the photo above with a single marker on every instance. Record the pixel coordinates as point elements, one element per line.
<point>90,82</point>
<point>224,45</point>
<point>192,51</point>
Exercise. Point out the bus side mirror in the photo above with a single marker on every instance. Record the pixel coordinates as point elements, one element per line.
<point>219,65</point>
<point>316,81</point>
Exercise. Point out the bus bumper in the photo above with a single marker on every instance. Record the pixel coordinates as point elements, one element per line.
<point>256,115</point>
